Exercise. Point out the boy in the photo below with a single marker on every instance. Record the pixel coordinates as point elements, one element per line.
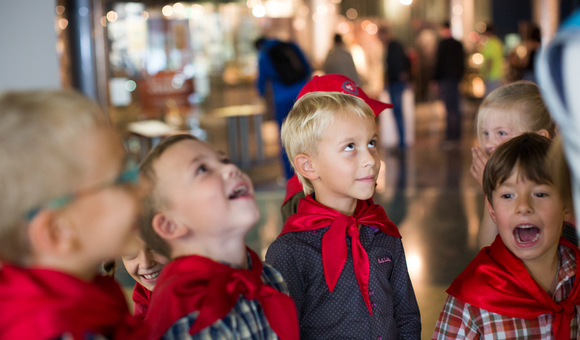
<point>199,212</point>
<point>66,207</point>
<point>325,83</point>
<point>359,293</point>
<point>522,286</point>
<point>144,267</point>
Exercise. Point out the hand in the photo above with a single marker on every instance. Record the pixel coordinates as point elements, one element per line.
<point>479,159</point>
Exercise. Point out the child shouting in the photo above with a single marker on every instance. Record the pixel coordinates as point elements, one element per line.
<point>144,266</point>
<point>342,257</point>
<point>68,204</point>
<point>200,209</point>
<point>523,286</point>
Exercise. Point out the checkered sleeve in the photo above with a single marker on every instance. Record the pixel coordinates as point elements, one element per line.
<point>457,321</point>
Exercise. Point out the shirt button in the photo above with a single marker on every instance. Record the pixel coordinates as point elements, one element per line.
<point>379,337</point>
<point>373,305</point>
<point>371,293</point>
<point>314,231</point>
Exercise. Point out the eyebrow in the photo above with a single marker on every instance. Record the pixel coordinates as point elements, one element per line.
<point>349,139</point>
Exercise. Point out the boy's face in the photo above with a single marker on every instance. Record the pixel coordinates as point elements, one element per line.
<point>206,193</point>
<point>145,265</point>
<point>347,160</point>
<point>103,221</point>
<point>497,129</point>
<point>529,217</point>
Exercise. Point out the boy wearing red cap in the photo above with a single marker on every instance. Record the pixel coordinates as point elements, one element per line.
<point>524,285</point>
<point>326,83</point>
<point>198,213</point>
<point>341,256</point>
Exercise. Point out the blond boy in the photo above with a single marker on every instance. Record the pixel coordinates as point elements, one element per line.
<point>340,254</point>
<point>198,215</point>
<point>63,211</point>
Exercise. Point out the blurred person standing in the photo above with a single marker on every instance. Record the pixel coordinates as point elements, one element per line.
<point>283,66</point>
<point>339,61</point>
<point>492,68</point>
<point>397,66</point>
<point>532,46</point>
<point>449,69</point>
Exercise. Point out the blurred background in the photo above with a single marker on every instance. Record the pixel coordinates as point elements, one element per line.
<point>161,67</point>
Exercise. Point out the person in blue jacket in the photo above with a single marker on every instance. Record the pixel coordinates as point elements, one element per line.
<point>283,67</point>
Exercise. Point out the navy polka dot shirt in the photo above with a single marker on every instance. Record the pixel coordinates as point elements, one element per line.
<point>343,314</point>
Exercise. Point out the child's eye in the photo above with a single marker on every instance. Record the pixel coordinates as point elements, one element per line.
<point>372,144</point>
<point>485,133</point>
<point>541,194</point>
<point>503,133</point>
<point>226,161</point>
<point>349,147</point>
<point>201,169</point>
<point>506,196</point>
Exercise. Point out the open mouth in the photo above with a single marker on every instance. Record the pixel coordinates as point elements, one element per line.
<point>152,276</point>
<point>239,191</point>
<point>526,234</point>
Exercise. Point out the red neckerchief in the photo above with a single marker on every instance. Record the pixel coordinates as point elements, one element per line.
<point>312,215</point>
<point>44,304</point>
<point>141,297</point>
<point>197,283</point>
<point>497,281</point>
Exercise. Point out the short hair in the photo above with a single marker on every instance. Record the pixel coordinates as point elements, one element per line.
<point>337,39</point>
<point>446,24</point>
<point>309,120</point>
<point>526,153</point>
<point>38,132</point>
<point>155,200</point>
<point>523,106</point>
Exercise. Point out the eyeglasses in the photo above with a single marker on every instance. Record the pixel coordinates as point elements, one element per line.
<point>129,176</point>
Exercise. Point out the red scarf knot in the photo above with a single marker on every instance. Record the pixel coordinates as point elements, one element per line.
<point>196,283</point>
<point>248,286</point>
<point>312,215</point>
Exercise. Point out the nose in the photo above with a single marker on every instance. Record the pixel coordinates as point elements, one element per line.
<point>523,205</point>
<point>368,158</point>
<point>231,170</point>
<point>146,260</point>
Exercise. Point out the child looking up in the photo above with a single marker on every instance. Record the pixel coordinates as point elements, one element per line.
<point>144,267</point>
<point>505,113</point>
<point>200,209</point>
<point>68,204</point>
<point>342,257</point>
<point>523,286</point>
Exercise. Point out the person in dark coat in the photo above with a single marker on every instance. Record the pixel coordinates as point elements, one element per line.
<point>449,69</point>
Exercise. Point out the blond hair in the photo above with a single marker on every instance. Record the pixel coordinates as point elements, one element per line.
<point>523,106</point>
<point>310,119</point>
<point>156,201</point>
<point>38,130</point>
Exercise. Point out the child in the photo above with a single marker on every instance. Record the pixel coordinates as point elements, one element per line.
<point>505,113</point>
<point>522,286</point>
<point>331,140</point>
<point>326,83</point>
<point>67,205</point>
<point>199,212</point>
<point>144,266</point>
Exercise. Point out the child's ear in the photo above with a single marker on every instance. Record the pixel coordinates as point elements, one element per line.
<point>490,210</point>
<point>544,132</point>
<point>167,228</point>
<point>304,166</point>
<point>50,233</point>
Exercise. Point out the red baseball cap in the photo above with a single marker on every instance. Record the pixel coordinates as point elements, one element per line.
<point>340,83</point>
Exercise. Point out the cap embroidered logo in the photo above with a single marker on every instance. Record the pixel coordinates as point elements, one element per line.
<point>350,87</point>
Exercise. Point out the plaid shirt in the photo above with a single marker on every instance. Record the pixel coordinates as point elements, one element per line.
<point>459,320</point>
<point>246,321</point>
